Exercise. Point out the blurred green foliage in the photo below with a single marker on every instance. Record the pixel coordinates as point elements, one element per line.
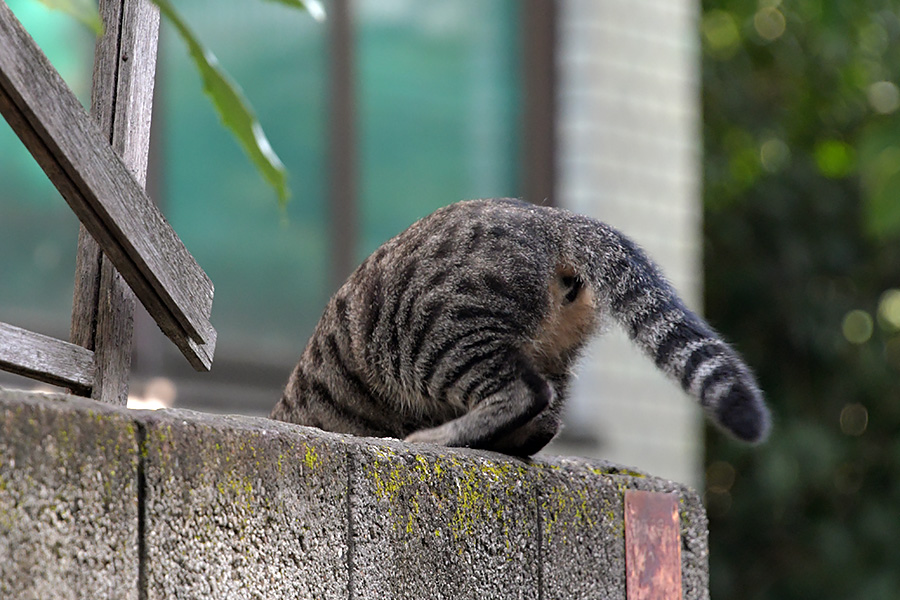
<point>802,209</point>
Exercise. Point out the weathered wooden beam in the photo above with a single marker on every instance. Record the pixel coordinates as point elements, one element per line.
<point>121,104</point>
<point>652,546</point>
<point>104,194</point>
<point>45,358</point>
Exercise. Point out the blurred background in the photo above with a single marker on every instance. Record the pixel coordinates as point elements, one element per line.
<point>751,146</point>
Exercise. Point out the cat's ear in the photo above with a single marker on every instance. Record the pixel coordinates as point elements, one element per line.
<point>571,285</point>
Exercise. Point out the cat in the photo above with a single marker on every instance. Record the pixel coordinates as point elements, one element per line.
<point>463,331</point>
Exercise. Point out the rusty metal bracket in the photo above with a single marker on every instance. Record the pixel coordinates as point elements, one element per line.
<point>652,546</point>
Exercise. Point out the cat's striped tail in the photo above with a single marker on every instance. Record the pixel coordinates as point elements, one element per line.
<point>681,343</point>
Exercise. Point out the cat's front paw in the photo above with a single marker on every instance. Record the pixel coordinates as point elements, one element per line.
<point>437,435</point>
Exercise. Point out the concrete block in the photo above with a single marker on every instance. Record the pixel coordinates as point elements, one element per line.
<point>583,534</point>
<point>431,522</point>
<point>103,502</point>
<point>68,499</point>
<point>241,507</point>
<point>582,529</point>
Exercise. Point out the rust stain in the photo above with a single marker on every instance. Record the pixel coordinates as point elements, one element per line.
<point>652,546</point>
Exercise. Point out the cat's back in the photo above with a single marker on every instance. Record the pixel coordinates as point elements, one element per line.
<point>477,229</point>
<point>461,266</point>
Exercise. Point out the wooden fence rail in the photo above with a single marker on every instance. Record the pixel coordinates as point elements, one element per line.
<point>46,359</point>
<point>99,167</point>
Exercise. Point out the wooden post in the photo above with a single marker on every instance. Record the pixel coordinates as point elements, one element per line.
<point>121,104</point>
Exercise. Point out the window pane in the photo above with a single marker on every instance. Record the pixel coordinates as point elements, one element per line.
<point>268,267</point>
<point>438,118</point>
<point>38,231</point>
<point>439,108</point>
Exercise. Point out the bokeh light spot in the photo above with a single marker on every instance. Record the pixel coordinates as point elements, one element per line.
<point>857,326</point>
<point>769,23</point>
<point>889,310</point>
<point>884,96</point>
<point>854,419</point>
<point>721,33</point>
<point>720,477</point>
<point>774,154</point>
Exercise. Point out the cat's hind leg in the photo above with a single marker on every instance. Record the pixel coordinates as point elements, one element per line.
<point>514,405</point>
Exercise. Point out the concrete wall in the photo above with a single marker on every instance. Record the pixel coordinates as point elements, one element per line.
<point>629,151</point>
<point>101,502</point>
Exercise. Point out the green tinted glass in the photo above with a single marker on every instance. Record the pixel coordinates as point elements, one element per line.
<point>38,231</point>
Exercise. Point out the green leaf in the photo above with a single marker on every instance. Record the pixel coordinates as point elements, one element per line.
<point>83,10</point>
<point>313,7</point>
<point>233,108</point>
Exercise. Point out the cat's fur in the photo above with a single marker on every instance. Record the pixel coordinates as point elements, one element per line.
<point>463,330</point>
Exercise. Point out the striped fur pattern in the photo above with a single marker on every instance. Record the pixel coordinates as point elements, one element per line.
<point>463,331</point>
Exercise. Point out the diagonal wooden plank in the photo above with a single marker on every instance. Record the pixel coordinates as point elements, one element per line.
<point>104,194</point>
<point>45,358</point>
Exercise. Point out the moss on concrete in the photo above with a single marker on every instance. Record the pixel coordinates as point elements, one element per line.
<point>242,507</point>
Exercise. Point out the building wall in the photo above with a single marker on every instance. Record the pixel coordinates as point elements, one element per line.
<point>629,152</point>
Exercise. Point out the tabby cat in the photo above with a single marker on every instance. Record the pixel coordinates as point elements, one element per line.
<point>463,331</point>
